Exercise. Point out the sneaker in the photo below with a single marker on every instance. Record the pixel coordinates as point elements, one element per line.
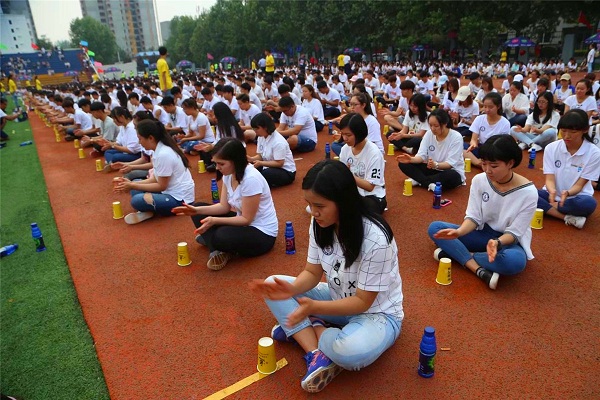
<point>200,240</point>
<point>278,334</point>
<point>431,187</point>
<point>577,222</point>
<point>408,150</point>
<point>536,147</point>
<point>489,277</point>
<point>70,138</point>
<point>439,254</point>
<point>414,183</point>
<point>107,169</point>
<point>523,146</point>
<point>308,210</point>
<point>211,167</point>
<point>137,217</point>
<point>217,260</point>
<point>95,154</point>
<point>320,371</point>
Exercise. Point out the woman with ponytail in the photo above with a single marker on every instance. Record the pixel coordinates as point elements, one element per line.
<point>170,186</point>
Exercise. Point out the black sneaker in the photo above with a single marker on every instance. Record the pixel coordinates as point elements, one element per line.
<point>211,167</point>
<point>70,138</point>
<point>200,240</point>
<point>489,277</point>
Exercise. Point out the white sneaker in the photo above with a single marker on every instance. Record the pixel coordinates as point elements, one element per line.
<point>431,187</point>
<point>577,222</point>
<point>523,146</point>
<point>536,147</point>
<point>414,183</point>
<point>137,217</point>
<point>409,150</point>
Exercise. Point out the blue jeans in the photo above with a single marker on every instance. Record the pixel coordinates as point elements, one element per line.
<point>162,204</point>
<point>188,146</point>
<point>510,260</point>
<point>112,155</point>
<point>336,147</point>
<point>580,206</point>
<point>543,139</point>
<point>518,119</point>
<point>362,339</point>
<point>304,145</point>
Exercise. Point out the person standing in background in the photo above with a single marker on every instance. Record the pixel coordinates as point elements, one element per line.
<point>164,74</point>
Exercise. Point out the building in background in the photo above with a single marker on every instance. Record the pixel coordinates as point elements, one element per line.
<point>17,30</point>
<point>165,31</point>
<point>133,22</point>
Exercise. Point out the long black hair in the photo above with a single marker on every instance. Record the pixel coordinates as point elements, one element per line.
<point>420,101</point>
<point>577,120</point>
<point>536,109</point>
<point>233,150</point>
<point>148,127</point>
<point>334,181</point>
<point>228,126</point>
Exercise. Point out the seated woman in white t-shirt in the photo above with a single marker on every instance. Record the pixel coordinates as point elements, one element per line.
<point>570,165</point>
<point>365,161</point>
<point>490,123</point>
<point>248,231</point>
<point>439,158</point>
<point>170,185</point>
<point>583,99</point>
<point>465,112</point>
<point>312,102</point>
<point>274,159</point>
<point>495,237</point>
<point>540,128</point>
<point>414,126</point>
<point>199,129</point>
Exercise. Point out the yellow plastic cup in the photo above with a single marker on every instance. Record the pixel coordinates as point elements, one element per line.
<point>117,210</point>
<point>267,362</point>
<point>407,188</point>
<point>386,129</point>
<point>183,255</point>
<point>201,167</point>
<point>336,158</point>
<point>390,150</point>
<point>76,143</point>
<point>537,222</point>
<point>57,137</point>
<point>81,153</point>
<point>444,275</point>
<point>467,165</point>
<point>99,166</point>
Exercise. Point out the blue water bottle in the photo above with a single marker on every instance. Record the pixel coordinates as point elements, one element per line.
<point>8,249</point>
<point>327,151</point>
<point>36,234</point>
<point>437,196</point>
<point>214,191</point>
<point>290,239</point>
<point>331,128</point>
<point>427,352</point>
<point>531,159</point>
<point>26,143</point>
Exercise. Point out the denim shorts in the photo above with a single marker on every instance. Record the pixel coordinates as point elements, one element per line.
<point>305,145</point>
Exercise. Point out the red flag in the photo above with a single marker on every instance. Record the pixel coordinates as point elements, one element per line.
<point>583,20</point>
<point>35,46</point>
<point>209,56</point>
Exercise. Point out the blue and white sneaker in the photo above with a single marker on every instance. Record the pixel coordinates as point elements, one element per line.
<point>320,371</point>
<point>278,334</point>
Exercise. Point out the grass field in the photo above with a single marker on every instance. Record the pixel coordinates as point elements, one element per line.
<point>46,350</point>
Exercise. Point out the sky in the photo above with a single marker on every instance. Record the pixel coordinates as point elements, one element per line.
<point>53,17</point>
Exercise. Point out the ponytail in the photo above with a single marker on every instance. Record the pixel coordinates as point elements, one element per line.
<point>156,129</point>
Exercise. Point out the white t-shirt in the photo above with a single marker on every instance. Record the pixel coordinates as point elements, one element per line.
<point>481,94</point>
<point>128,137</point>
<point>178,119</point>
<point>108,129</point>
<point>482,127</point>
<point>255,100</point>
<point>368,165</point>
<point>209,104</point>
<point>303,118</point>
<point>509,212</point>
<point>252,184</point>
<point>332,95</point>
<point>564,95</point>
<point>392,93</point>
<point>274,148</point>
<point>246,116</point>
<point>424,87</point>
<point>83,119</point>
<point>374,131</point>
<point>553,121</point>
<point>520,102</point>
<point>163,117</point>
<point>589,104</point>
<point>201,120</point>
<point>375,269</point>
<point>449,104</point>
<point>467,112</point>
<point>167,163</point>
<point>567,168</point>
<point>315,108</point>
<point>449,150</point>
<point>414,123</point>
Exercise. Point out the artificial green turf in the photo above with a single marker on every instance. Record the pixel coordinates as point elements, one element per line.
<point>46,350</point>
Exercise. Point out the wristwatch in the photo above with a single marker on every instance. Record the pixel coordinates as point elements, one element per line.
<point>436,165</point>
<point>499,244</point>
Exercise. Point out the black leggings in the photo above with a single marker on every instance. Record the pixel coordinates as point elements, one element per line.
<point>413,142</point>
<point>245,241</point>
<point>277,177</point>
<point>449,178</point>
<point>376,204</point>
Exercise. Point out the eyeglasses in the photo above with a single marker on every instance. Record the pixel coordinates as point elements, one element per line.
<point>354,104</point>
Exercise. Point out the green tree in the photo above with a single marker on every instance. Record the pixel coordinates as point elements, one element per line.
<point>44,43</point>
<point>99,37</point>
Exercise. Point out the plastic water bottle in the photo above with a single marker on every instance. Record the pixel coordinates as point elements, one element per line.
<point>290,239</point>
<point>427,352</point>
<point>331,128</point>
<point>36,234</point>
<point>327,151</point>
<point>214,191</point>
<point>531,159</point>
<point>8,249</point>
<point>437,195</point>
<point>26,143</point>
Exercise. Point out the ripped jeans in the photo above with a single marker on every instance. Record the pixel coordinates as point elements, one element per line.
<point>360,341</point>
<point>162,204</point>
